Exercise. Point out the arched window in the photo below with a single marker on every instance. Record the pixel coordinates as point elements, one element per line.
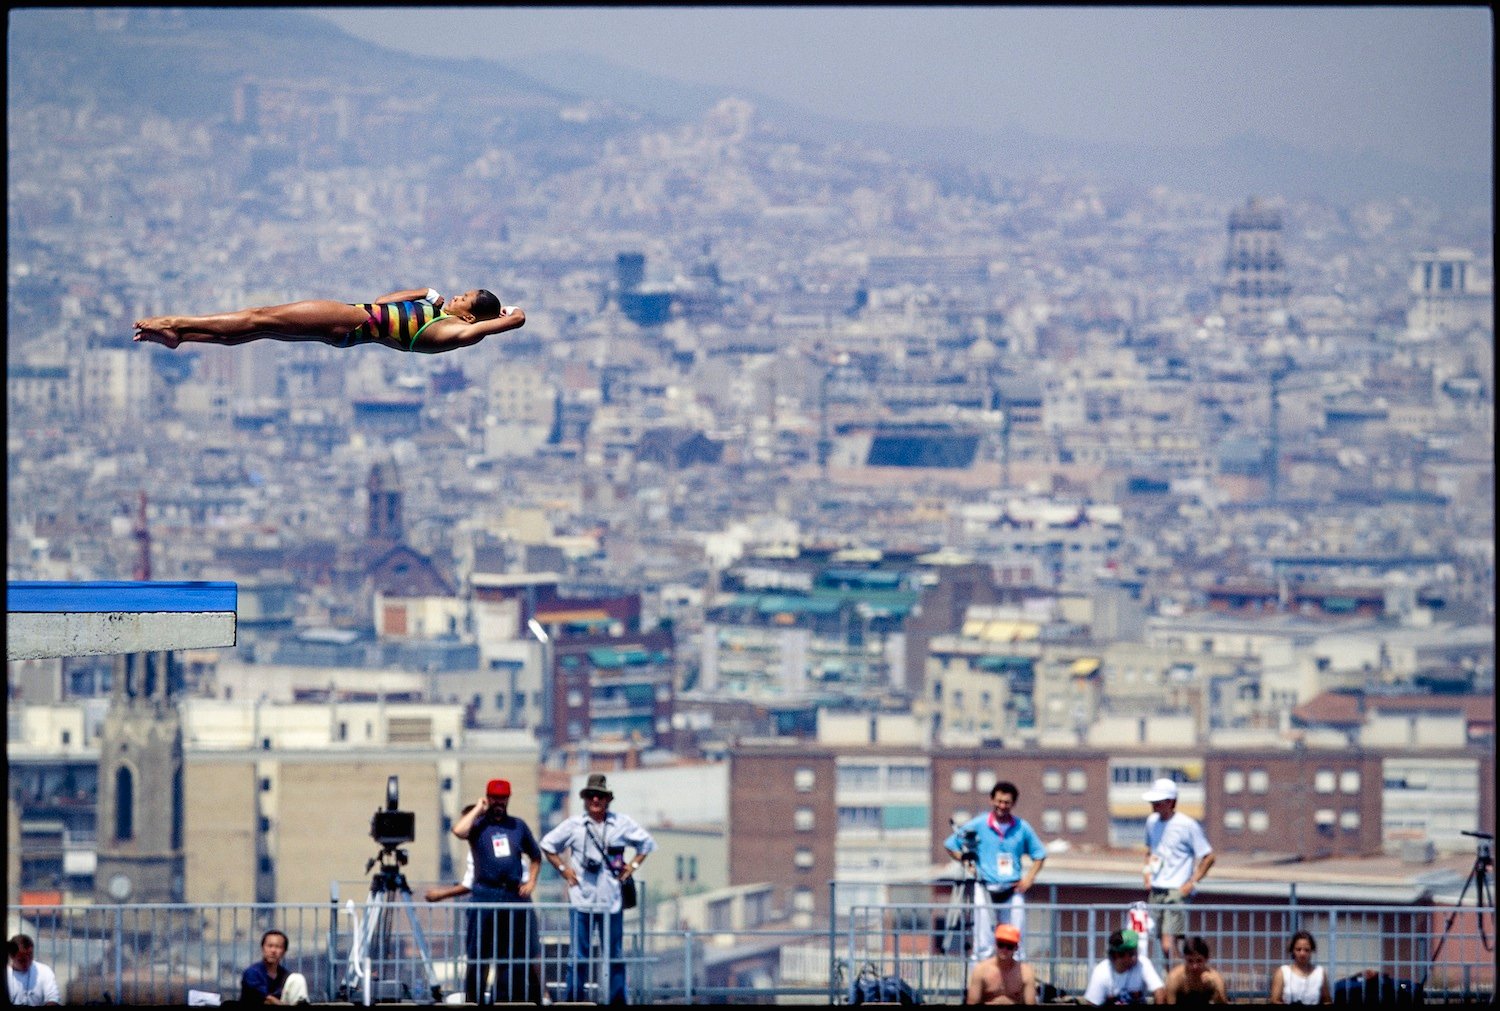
<point>124,804</point>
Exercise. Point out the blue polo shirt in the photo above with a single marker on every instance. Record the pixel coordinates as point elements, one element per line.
<point>1000,854</point>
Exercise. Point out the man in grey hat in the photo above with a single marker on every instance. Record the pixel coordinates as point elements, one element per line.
<point>588,850</point>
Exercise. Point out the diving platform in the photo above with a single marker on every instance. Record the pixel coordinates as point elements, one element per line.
<point>59,619</point>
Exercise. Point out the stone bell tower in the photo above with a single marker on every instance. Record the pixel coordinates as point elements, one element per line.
<point>140,813</point>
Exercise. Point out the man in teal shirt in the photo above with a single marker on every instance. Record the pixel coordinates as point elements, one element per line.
<point>1003,839</point>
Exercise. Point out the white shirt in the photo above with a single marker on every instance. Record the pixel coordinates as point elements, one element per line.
<point>599,891</point>
<point>1140,981</point>
<point>1297,989</point>
<point>1176,846</point>
<point>37,985</point>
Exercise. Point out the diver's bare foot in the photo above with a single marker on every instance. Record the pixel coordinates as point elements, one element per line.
<point>161,335</point>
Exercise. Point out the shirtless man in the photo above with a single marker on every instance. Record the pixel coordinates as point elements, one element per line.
<point>1002,980</point>
<point>411,320</point>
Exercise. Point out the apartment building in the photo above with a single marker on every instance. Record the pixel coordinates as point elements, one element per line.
<point>807,813</point>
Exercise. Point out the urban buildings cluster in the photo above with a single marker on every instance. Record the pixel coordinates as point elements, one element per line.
<point>818,491</point>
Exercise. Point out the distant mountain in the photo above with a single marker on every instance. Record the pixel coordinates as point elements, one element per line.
<point>1232,170</point>
<point>185,62</point>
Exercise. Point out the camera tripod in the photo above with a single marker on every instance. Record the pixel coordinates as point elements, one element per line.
<point>1484,898</point>
<point>957,937</point>
<point>373,931</point>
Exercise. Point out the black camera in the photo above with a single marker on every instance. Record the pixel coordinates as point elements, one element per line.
<point>390,827</point>
<point>968,845</point>
<point>592,865</point>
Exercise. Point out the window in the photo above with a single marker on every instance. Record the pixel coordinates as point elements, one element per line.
<point>859,817</point>
<point>802,780</point>
<point>575,699</point>
<point>1260,781</point>
<point>1078,820</point>
<point>692,869</point>
<point>1349,781</point>
<point>804,859</point>
<point>1259,821</point>
<point>802,900</point>
<point>66,737</point>
<point>908,777</point>
<point>721,915</point>
<point>1324,817</point>
<point>1234,819</point>
<point>1349,819</point>
<point>1234,782</point>
<point>124,804</point>
<point>961,817</point>
<point>802,819</point>
<point>985,781</point>
<point>1052,820</point>
<point>1078,781</point>
<point>681,867</point>
<point>1052,781</point>
<point>963,781</point>
<point>1323,781</point>
<point>858,777</point>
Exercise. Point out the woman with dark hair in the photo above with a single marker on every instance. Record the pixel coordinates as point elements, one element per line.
<point>1193,982</point>
<point>1301,982</point>
<point>412,320</point>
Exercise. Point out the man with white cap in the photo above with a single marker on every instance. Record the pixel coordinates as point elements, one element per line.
<point>1178,857</point>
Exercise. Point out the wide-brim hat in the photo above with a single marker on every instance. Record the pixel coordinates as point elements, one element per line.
<point>596,784</point>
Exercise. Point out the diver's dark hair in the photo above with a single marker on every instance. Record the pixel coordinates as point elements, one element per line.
<point>486,305</point>
<point>1195,946</point>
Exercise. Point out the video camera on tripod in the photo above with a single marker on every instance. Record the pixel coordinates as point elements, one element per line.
<point>968,846</point>
<point>374,954</point>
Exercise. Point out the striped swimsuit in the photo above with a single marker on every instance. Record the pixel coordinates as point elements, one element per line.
<point>402,322</point>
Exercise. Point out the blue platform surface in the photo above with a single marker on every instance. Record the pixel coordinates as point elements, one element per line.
<point>110,597</point>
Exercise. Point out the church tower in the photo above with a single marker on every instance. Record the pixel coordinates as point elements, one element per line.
<point>140,812</point>
<point>1253,294</point>
<point>385,525</point>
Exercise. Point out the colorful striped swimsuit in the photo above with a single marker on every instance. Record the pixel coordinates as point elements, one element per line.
<point>402,322</point>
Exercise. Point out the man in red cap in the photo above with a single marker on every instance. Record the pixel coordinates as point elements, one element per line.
<point>497,841</point>
<point>1002,979</point>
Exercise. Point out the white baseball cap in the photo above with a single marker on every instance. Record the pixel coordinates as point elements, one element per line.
<point>1162,789</point>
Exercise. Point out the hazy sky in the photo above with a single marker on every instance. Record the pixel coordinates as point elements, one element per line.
<point>1413,82</point>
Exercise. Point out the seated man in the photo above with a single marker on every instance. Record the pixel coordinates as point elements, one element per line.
<point>1123,977</point>
<point>267,981</point>
<point>1002,979</point>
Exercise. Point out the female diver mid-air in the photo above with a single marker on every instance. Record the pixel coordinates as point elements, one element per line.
<point>415,320</point>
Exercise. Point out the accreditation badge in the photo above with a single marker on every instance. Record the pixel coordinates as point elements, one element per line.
<point>500,844</point>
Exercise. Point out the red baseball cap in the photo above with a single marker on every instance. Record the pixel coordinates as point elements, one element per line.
<point>498,788</point>
<point>1007,934</point>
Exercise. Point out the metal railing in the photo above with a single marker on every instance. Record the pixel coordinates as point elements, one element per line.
<point>152,954</point>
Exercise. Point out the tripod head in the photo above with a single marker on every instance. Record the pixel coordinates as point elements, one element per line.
<point>389,878</point>
<point>1482,848</point>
